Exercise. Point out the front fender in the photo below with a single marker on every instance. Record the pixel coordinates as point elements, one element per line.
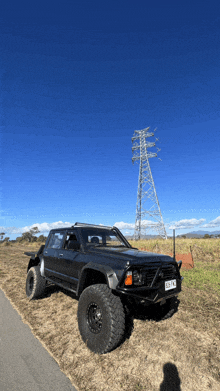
<point>107,271</point>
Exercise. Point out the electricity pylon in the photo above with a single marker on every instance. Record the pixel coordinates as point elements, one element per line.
<point>145,177</point>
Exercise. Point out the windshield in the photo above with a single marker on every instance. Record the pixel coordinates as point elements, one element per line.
<point>101,238</point>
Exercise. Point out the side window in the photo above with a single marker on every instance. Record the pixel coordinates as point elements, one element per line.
<point>56,240</point>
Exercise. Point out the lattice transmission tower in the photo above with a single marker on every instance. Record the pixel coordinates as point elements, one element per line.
<point>146,178</point>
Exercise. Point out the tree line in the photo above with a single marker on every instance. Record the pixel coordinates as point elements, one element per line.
<point>28,236</point>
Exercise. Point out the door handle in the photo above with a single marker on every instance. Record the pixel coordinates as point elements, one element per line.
<point>45,252</point>
<point>60,255</point>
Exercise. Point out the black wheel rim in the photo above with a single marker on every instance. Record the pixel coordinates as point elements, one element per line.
<point>31,284</point>
<point>94,318</point>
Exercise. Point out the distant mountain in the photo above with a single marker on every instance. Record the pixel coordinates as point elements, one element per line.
<point>200,234</point>
<point>205,232</point>
<point>194,234</point>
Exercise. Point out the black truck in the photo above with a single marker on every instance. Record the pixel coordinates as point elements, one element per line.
<point>107,275</point>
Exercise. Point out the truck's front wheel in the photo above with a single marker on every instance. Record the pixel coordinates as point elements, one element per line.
<point>35,283</point>
<point>101,318</point>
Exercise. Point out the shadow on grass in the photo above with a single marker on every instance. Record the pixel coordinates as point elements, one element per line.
<point>171,381</point>
<point>154,312</point>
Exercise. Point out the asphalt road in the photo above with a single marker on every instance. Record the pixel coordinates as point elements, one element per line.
<point>24,363</point>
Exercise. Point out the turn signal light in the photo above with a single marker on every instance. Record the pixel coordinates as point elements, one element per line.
<point>128,279</point>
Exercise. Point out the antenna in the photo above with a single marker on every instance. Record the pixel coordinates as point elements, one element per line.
<point>145,177</point>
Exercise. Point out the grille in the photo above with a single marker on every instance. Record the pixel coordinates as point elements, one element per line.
<point>167,272</point>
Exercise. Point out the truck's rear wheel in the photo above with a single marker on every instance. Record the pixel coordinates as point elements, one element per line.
<point>35,283</point>
<point>101,318</point>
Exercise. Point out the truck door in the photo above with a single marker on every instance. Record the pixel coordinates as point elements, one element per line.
<point>69,257</point>
<point>52,267</point>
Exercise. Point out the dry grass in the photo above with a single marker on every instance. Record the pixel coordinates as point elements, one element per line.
<point>181,353</point>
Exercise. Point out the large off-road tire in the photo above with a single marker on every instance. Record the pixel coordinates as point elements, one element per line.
<point>35,283</point>
<point>101,318</point>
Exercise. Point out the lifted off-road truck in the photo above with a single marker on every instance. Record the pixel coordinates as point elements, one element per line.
<point>107,275</point>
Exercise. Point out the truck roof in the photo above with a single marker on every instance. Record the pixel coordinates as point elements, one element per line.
<point>83,225</point>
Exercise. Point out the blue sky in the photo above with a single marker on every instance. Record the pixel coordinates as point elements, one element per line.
<point>77,79</point>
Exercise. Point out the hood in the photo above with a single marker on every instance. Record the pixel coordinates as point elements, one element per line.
<point>132,255</point>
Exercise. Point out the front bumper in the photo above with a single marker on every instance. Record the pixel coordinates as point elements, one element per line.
<point>151,295</point>
<point>154,289</point>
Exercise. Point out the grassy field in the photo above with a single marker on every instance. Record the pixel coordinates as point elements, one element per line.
<point>181,353</point>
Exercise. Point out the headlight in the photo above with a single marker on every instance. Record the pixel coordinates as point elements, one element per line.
<point>137,278</point>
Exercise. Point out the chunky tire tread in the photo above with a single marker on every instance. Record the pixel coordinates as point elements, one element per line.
<point>113,326</point>
<point>39,283</point>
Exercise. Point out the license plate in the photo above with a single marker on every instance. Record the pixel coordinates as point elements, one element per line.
<point>170,285</point>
